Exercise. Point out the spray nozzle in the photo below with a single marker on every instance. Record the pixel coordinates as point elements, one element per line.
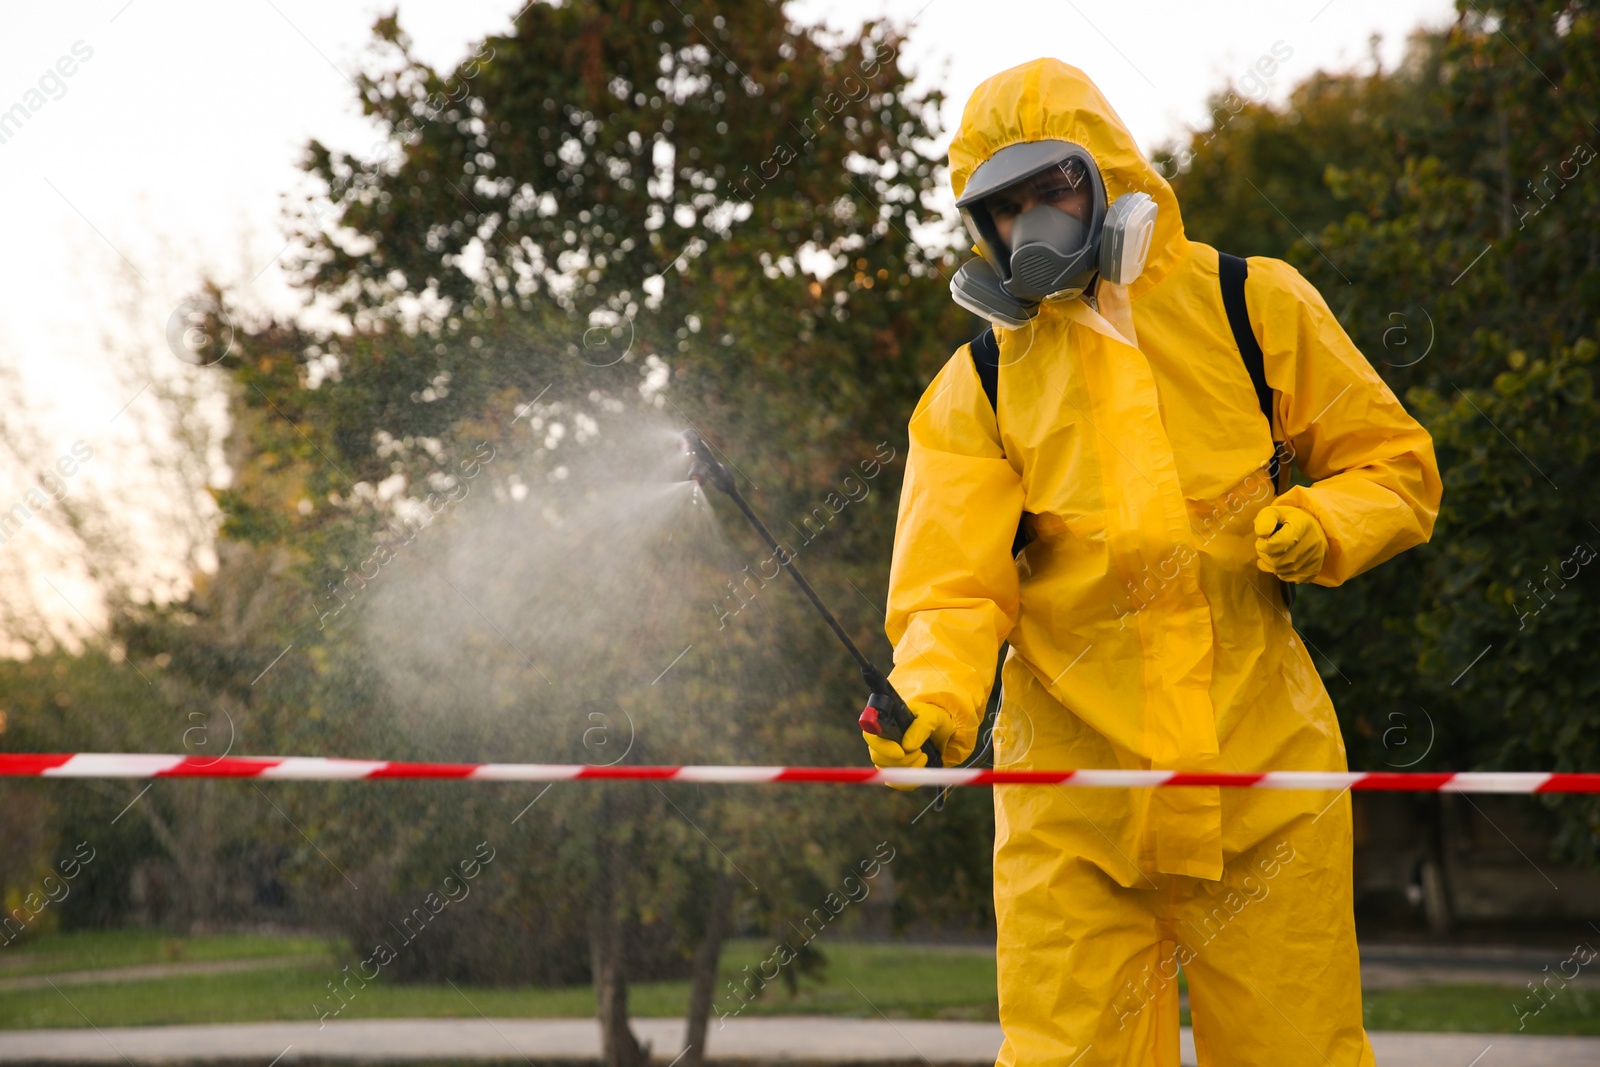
<point>705,466</point>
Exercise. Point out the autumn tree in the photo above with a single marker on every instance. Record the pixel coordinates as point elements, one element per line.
<point>610,218</point>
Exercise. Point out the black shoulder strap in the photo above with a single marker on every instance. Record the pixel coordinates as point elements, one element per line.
<point>1232,271</point>
<point>986,357</point>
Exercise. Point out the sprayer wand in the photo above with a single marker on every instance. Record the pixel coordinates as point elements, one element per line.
<point>885,714</point>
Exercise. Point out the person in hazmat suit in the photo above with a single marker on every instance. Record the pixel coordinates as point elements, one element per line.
<point>1109,421</point>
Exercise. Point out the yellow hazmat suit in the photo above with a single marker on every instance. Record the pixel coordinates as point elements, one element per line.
<point>1144,635</point>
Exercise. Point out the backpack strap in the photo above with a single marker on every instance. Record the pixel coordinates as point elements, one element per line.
<point>1231,274</point>
<point>986,360</point>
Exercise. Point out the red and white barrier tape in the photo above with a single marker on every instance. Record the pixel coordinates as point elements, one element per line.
<point>317,768</point>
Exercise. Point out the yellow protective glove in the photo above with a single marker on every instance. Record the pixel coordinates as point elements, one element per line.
<point>927,720</point>
<point>1290,543</point>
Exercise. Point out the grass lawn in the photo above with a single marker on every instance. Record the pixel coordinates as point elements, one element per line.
<point>901,981</point>
<point>1481,1009</point>
<point>97,949</point>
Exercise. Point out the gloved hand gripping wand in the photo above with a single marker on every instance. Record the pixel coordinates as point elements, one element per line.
<point>885,714</point>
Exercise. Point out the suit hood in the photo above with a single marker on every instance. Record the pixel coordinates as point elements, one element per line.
<point>1047,99</point>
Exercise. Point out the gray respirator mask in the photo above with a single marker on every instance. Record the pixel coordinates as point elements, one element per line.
<point>1052,254</point>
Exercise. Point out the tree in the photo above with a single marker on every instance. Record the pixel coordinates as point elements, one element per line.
<point>604,223</point>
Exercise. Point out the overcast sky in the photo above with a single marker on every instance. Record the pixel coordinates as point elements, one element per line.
<point>163,134</point>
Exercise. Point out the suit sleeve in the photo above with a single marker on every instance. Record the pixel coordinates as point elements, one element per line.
<point>953,587</point>
<point>1375,483</point>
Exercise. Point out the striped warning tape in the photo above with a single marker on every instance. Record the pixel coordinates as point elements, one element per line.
<point>317,768</point>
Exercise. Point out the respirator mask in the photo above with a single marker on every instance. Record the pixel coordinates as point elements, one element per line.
<point>1051,253</point>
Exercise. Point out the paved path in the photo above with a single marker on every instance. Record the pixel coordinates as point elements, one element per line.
<point>791,1040</point>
